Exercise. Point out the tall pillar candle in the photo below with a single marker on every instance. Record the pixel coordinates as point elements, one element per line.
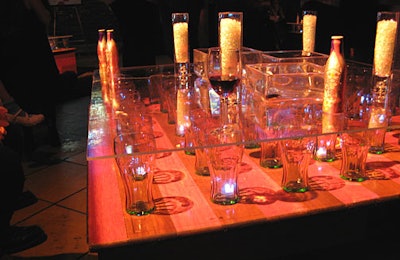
<point>230,37</point>
<point>309,29</point>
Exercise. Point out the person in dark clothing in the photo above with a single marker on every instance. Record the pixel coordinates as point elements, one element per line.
<point>141,37</point>
<point>27,65</point>
<point>13,238</point>
<point>277,21</point>
<point>257,33</point>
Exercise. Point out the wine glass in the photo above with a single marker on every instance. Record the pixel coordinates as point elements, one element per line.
<point>224,72</point>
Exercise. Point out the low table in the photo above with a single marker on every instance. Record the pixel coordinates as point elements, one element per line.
<point>265,224</point>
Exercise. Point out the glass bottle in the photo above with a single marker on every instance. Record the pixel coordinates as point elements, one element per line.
<point>333,102</point>
<point>112,53</point>
<point>334,86</point>
<point>101,46</point>
<point>101,56</point>
<point>112,64</point>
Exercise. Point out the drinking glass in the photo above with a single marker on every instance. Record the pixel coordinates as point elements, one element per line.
<point>332,123</point>
<point>201,120</point>
<point>325,150</point>
<point>355,147</point>
<point>126,94</point>
<point>224,153</point>
<point>224,72</point>
<point>270,155</point>
<point>355,142</point>
<point>156,91</point>
<point>135,157</point>
<point>298,122</point>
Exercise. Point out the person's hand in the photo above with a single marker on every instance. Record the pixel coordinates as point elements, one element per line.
<point>3,122</point>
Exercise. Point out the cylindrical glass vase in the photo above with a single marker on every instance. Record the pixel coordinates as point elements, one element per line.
<point>180,26</point>
<point>385,40</point>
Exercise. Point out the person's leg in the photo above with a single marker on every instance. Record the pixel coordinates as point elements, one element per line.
<point>14,238</point>
<point>11,184</point>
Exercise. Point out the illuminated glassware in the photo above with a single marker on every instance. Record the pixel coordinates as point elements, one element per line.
<point>333,104</point>
<point>385,40</point>
<point>180,26</point>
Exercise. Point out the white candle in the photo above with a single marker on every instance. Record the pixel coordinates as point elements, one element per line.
<point>230,33</point>
<point>309,28</point>
<point>384,47</point>
<point>181,42</point>
<point>230,38</point>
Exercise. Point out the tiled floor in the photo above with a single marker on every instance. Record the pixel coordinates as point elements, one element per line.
<point>61,189</point>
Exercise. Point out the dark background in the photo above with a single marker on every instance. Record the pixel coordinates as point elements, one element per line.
<point>82,21</point>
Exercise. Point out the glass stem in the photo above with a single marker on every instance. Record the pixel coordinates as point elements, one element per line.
<point>224,110</point>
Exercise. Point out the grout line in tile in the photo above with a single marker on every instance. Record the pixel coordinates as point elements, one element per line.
<point>36,212</point>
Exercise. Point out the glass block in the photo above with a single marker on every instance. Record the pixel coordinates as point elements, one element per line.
<point>294,56</point>
<point>286,79</point>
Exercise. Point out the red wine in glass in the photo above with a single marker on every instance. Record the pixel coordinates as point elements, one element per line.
<point>224,87</point>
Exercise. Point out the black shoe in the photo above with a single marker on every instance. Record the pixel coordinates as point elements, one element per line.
<point>26,199</point>
<point>17,239</point>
